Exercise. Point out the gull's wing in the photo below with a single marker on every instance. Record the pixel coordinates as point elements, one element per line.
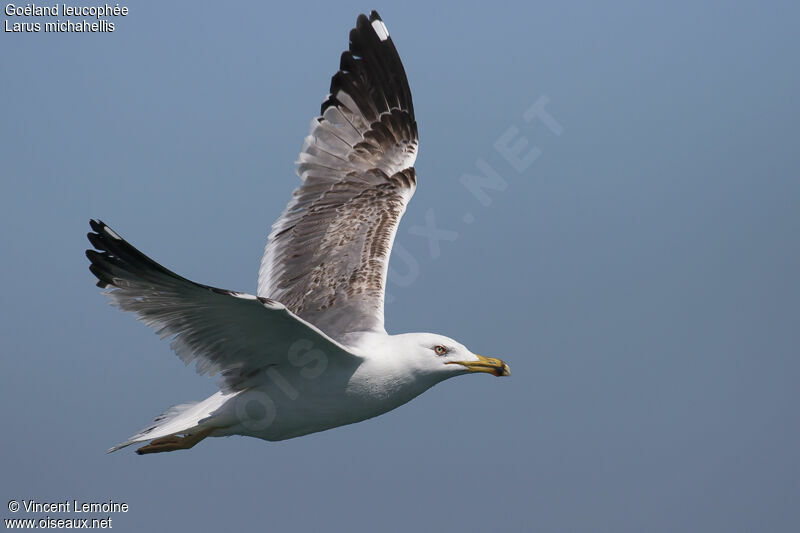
<point>328,253</point>
<point>234,334</point>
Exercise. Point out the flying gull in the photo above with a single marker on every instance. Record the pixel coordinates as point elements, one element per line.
<point>310,351</point>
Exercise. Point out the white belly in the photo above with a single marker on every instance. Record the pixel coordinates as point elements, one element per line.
<point>289,404</point>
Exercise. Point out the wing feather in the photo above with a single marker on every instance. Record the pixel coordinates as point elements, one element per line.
<point>327,255</point>
<point>223,332</point>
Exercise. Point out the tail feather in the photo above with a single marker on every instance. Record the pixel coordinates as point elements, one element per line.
<point>185,418</point>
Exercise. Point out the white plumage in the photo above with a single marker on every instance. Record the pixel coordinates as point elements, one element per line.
<point>310,352</point>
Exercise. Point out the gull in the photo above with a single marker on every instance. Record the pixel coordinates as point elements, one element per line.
<point>309,352</point>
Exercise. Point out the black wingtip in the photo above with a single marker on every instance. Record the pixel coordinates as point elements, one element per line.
<point>97,225</point>
<point>113,259</point>
<point>96,240</point>
<point>371,72</point>
<point>103,279</point>
<point>94,256</point>
<point>102,257</point>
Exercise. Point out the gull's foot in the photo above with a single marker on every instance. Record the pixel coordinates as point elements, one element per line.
<point>171,443</point>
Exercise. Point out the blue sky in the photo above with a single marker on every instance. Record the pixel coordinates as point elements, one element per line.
<point>638,271</point>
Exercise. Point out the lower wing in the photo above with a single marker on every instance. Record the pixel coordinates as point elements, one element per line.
<point>224,332</point>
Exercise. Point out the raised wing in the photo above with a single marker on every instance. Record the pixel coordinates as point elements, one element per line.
<point>234,334</point>
<point>328,253</point>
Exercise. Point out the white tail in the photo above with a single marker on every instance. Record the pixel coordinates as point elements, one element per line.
<point>186,418</point>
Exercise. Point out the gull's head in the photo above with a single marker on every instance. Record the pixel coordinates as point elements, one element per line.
<point>445,357</point>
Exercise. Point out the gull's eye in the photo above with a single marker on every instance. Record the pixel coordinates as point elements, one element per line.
<point>439,349</point>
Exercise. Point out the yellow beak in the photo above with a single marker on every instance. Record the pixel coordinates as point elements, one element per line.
<point>485,364</point>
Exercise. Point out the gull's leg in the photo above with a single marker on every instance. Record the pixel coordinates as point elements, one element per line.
<point>173,442</point>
